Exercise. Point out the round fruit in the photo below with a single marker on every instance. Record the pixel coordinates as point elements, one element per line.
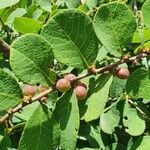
<point>29,90</point>
<point>70,76</point>
<point>81,92</point>
<point>63,85</point>
<point>82,84</point>
<point>122,73</point>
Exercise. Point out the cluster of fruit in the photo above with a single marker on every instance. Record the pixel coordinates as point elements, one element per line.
<point>69,81</point>
<point>64,84</point>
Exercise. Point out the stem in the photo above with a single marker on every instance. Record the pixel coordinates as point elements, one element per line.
<point>22,105</point>
<point>109,67</point>
<point>5,29</point>
<point>138,109</point>
<point>115,103</point>
<point>20,125</point>
<point>51,89</point>
<point>4,48</point>
<point>139,22</point>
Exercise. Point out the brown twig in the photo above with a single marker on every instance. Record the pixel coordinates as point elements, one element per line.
<point>45,93</point>
<point>23,104</point>
<point>4,48</point>
<point>109,67</point>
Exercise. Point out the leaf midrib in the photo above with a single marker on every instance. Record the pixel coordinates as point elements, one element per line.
<point>35,66</point>
<point>82,57</point>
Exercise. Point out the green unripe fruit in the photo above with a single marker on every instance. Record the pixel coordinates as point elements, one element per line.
<point>122,73</point>
<point>63,85</point>
<point>70,76</point>
<point>29,90</point>
<point>81,92</point>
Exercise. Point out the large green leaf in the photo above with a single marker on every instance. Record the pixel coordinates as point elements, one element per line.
<point>102,54</point>
<point>138,84</point>
<point>71,35</point>
<point>17,13</point>
<point>26,25</point>
<point>146,11</point>
<point>109,120</point>
<point>117,87</point>
<point>41,131</point>
<point>134,123</point>
<point>142,143</point>
<point>30,59</point>
<point>98,90</point>
<point>7,3</point>
<point>114,25</point>
<point>10,91</point>
<point>67,113</point>
<point>26,113</point>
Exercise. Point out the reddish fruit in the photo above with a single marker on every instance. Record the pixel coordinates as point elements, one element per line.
<point>63,85</point>
<point>81,92</point>
<point>29,90</point>
<point>122,73</point>
<point>70,76</point>
<point>82,84</point>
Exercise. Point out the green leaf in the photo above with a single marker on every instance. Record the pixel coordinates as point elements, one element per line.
<point>145,45</point>
<point>138,84</point>
<point>41,131</point>
<point>142,143</point>
<point>45,5</point>
<point>116,146</point>
<point>26,25</point>
<point>146,11</point>
<point>145,34</point>
<point>117,87</point>
<point>37,13</point>
<point>4,13</point>
<point>114,25</point>
<point>102,54</point>
<point>7,3</point>
<point>98,94</point>
<point>26,113</point>
<point>71,3</point>
<point>67,113</point>
<point>134,122</point>
<point>94,137</point>
<point>10,92</point>
<point>6,143</point>
<point>30,59</point>
<point>1,138</point>
<point>109,120</point>
<point>71,35</point>
<point>91,4</point>
<point>92,134</point>
<point>17,13</point>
